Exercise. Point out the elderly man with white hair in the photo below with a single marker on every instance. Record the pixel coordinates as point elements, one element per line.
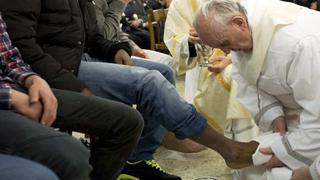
<point>276,58</point>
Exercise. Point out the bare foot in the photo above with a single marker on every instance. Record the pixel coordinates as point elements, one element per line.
<point>185,146</point>
<point>240,155</point>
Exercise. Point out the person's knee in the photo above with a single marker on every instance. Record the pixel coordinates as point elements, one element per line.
<point>38,172</point>
<point>169,74</point>
<point>16,168</point>
<point>134,121</point>
<point>154,79</point>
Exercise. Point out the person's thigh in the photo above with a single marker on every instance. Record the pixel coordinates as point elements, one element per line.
<point>25,138</point>
<point>164,69</point>
<point>15,168</point>
<point>93,115</point>
<point>160,57</point>
<point>154,96</point>
<point>112,81</point>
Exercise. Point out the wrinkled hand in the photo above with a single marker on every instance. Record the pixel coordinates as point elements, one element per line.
<point>137,51</point>
<point>279,125</point>
<point>193,36</point>
<point>122,57</point>
<point>40,92</point>
<point>218,63</point>
<point>301,173</point>
<point>136,23</point>
<point>21,104</point>
<point>274,161</point>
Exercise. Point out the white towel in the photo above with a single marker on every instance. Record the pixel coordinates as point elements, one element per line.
<point>260,172</point>
<point>264,141</point>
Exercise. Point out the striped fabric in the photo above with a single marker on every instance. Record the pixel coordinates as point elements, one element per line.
<point>12,68</point>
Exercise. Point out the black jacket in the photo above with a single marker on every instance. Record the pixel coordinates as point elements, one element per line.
<point>52,35</point>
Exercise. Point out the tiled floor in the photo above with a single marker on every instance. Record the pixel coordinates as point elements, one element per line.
<point>195,165</point>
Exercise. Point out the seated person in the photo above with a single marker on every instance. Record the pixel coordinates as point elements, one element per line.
<point>29,108</point>
<point>108,15</point>
<point>134,22</point>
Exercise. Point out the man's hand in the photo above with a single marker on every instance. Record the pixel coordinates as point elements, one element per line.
<point>301,173</point>
<point>136,23</point>
<point>40,92</point>
<point>279,125</point>
<point>193,36</point>
<point>218,63</point>
<point>122,57</point>
<point>274,161</point>
<point>137,51</point>
<point>21,104</point>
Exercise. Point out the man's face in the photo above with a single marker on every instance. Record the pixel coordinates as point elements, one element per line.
<point>235,37</point>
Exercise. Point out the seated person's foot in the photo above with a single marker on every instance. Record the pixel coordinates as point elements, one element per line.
<point>239,154</point>
<point>186,146</point>
<point>144,170</point>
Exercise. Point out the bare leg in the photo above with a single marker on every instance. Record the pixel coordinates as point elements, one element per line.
<point>236,154</point>
<point>186,146</point>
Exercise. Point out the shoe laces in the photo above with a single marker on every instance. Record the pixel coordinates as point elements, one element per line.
<point>154,164</point>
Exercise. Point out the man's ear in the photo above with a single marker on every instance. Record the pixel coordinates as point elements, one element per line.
<point>239,22</point>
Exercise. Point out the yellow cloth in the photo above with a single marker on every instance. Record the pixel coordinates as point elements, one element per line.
<point>266,17</point>
<point>179,21</point>
<point>212,97</point>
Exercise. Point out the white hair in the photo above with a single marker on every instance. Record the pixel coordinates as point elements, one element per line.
<point>220,11</point>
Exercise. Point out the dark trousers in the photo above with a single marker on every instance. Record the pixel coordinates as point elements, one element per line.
<point>140,36</point>
<point>116,126</point>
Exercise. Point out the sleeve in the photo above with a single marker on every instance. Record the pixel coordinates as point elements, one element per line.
<point>21,18</point>
<point>301,145</point>
<point>98,46</point>
<point>249,96</point>
<point>5,98</point>
<point>314,169</point>
<point>108,17</point>
<point>15,68</point>
<point>176,37</point>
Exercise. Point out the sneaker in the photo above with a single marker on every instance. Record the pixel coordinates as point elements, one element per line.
<point>145,170</point>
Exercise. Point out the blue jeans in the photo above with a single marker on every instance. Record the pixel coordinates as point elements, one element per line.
<point>155,96</point>
<point>15,168</point>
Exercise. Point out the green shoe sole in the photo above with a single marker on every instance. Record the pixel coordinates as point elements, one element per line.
<point>127,177</point>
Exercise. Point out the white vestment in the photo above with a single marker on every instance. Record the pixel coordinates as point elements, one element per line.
<point>212,95</point>
<point>287,85</point>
